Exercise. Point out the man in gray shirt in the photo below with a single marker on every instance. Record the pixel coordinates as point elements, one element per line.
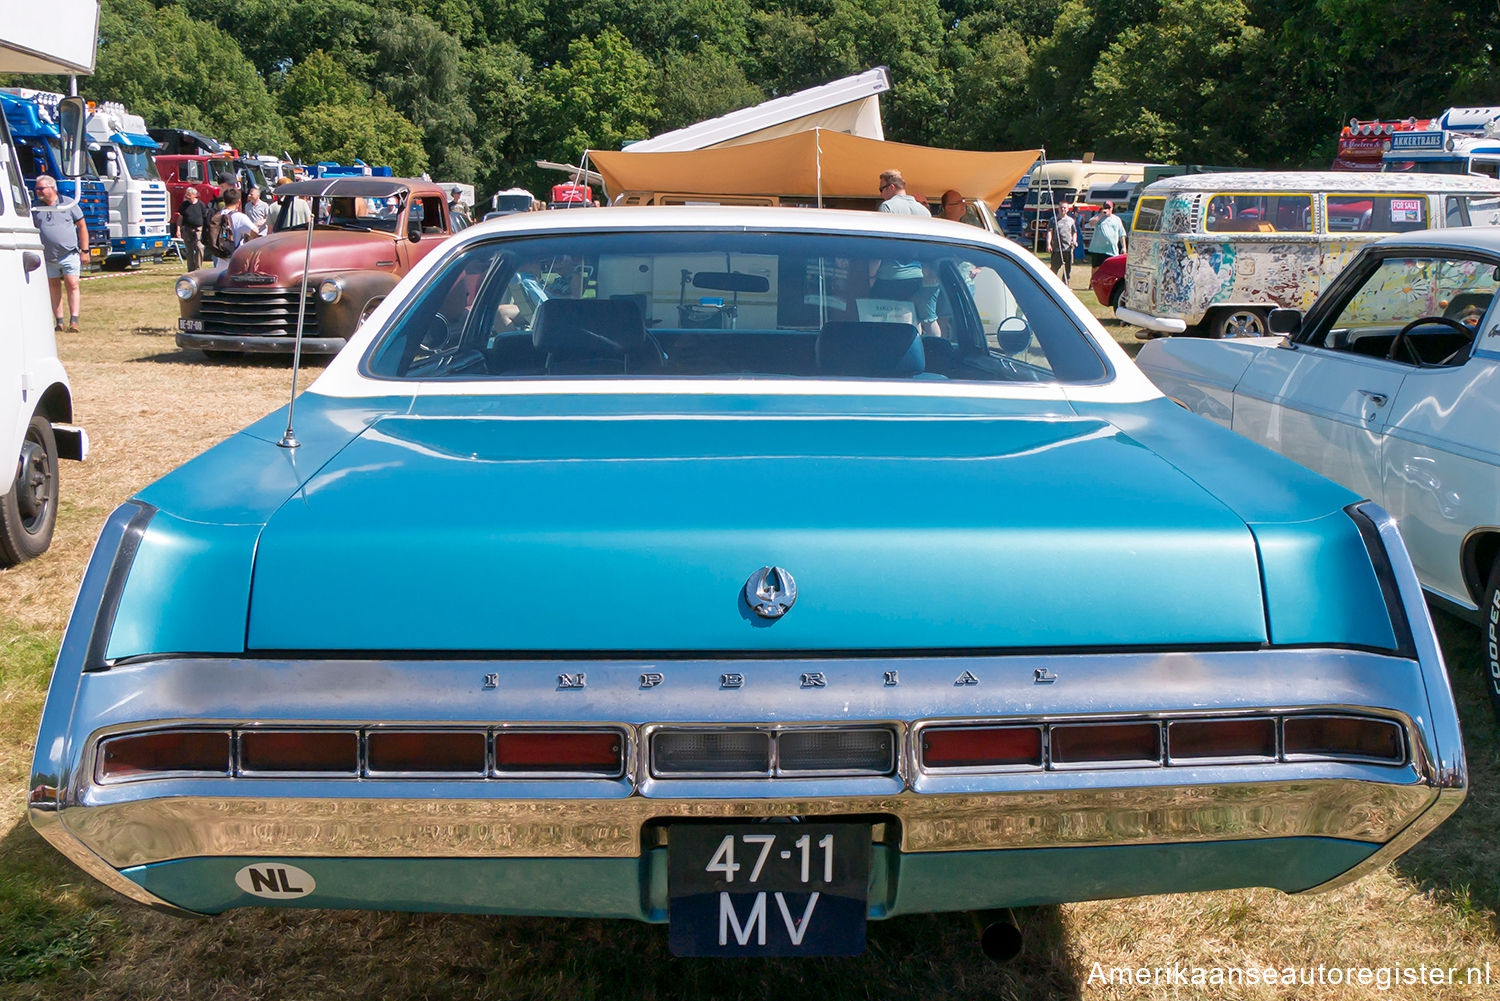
<point>65,239</point>
<point>1062,238</point>
<point>903,280</point>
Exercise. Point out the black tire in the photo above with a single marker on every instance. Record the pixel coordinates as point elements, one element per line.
<point>1116,294</point>
<point>1489,636</point>
<point>28,513</point>
<point>1238,321</point>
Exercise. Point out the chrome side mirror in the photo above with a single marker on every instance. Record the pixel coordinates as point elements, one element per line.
<point>72,117</point>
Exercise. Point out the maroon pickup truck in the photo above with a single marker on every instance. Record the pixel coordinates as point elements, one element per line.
<point>367,233</point>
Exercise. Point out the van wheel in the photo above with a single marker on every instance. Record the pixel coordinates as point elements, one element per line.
<point>1489,636</point>
<point>1116,295</point>
<point>1238,321</point>
<point>28,513</point>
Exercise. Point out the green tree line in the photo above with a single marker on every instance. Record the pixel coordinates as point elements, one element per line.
<point>477,90</point>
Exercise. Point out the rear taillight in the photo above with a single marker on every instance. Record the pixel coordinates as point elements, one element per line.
<point>982,747</point>
<point>331,752</point>
<point>1106,743</point>
<point>1222,739</point>
<point>588,752</point>
<point>425,752</point>
<point>165,752</point>
<point>1344,738</point>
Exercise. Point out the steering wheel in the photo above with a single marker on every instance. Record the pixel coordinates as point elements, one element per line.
<point>1402,340</point>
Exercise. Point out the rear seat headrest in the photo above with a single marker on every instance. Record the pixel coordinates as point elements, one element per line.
<point>879,350</point>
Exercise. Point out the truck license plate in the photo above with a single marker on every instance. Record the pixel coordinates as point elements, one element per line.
<point>193,325</point>
<point>767,889</point>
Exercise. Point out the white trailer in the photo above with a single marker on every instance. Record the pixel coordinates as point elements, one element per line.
<point>36,402</point>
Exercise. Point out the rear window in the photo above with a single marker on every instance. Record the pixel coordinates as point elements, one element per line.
<point>1473,210</point>
<point>1148,215</point>
<point>733,304</point>
<point>1370,213</point>
<point>1258,213</point>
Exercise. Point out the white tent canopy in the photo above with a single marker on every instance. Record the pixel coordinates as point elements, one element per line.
<point>850,105</point>
<point>61,40</point>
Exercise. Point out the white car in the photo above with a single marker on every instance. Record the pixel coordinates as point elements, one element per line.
<point>1390,385</point>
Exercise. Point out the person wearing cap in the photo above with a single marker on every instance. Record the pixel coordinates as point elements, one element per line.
<point>65,241</point>
<point>1109,236</point>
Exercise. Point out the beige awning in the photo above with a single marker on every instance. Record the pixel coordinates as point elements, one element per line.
<point>811,163</point>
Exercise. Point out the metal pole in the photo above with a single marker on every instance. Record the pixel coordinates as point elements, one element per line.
<point>289,438</point>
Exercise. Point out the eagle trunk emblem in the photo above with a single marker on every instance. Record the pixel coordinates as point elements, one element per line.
<point>770,591</point>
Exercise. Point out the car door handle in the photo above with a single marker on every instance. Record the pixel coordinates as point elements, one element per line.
<point>1378,399</point>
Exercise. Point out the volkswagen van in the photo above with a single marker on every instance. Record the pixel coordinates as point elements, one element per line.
<point>1214,253</point>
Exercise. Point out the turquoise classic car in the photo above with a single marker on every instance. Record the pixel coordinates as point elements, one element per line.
<point>757,572</point>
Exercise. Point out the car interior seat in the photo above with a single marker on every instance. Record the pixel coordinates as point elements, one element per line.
<point>870,349</point>
<point>602,336</point>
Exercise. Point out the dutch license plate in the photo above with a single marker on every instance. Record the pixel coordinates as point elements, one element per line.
<point>194,326</point>
<point>767,889</point>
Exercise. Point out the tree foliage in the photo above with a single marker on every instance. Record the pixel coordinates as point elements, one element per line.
<point>476,90</point>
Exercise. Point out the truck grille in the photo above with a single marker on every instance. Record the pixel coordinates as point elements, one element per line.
<point>257,312</point>
<point>154,207</point>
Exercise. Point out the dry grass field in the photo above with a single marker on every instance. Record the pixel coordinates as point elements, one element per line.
<point>148,406</point>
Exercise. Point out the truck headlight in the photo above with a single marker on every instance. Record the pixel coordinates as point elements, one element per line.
<point>186,288</point>
<point>331,290</point>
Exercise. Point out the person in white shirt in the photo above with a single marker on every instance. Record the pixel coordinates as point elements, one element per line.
<point>257,211</point>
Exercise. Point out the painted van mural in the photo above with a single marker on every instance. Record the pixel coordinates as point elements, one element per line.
<point>1214,253</point>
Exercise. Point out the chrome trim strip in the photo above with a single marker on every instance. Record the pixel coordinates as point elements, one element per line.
<point>1338,803</point>
<point>1440,733</point>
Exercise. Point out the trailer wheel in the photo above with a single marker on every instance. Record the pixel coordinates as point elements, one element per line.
<point>28,513</point>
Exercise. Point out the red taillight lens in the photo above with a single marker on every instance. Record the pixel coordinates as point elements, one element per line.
<point>456,752</point>
<point>599,752</point>
<point>327,751</point>
<point>136,755</point>
<point>1093,743</point>
<point>1222,738</point>
<point>1356,737</point>
<point>978,747</point>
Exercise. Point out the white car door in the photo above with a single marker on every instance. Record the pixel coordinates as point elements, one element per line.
<point>1324,407</point>
<point>1442,463</point>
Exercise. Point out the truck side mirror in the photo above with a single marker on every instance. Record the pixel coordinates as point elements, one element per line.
<point>414,230</point>
<point>72,116</point>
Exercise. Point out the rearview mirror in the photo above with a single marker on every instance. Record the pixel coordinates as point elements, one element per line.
<point>71,119</point>
<point>731,281</point>
<point>414,230</point>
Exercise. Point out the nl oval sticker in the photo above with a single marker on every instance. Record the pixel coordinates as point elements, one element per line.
<point>275,881</point>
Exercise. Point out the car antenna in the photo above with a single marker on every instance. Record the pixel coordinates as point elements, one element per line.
<point>289,437</point>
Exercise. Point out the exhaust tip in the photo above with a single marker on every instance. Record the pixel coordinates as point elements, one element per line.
<point>1000,938</point>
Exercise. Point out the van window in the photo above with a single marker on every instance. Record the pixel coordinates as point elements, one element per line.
<point>1473,210</point>
<point>1148,213</point>
<point>1368,213</point>
<point>1258,213</point>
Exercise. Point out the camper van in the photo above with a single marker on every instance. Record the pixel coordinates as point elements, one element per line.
<point>1215,252</point>
<point>1056,182</point>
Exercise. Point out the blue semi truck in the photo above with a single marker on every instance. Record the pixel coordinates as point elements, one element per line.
<point>32,118</point>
